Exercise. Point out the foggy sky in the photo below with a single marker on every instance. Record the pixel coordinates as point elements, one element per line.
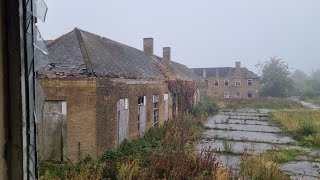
<point>202,33</point>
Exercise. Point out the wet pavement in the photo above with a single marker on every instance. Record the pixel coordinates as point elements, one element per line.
<point>230,134</point>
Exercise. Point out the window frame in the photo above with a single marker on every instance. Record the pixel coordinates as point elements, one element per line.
<point>251,93</point>
<point>237,81</point>
<point>251,81</point>
<point>226,80</point>
<point>239,95</point>
<point>226,95</point>
<point>214,83</point>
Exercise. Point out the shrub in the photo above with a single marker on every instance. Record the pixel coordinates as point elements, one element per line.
<point>205,108</point>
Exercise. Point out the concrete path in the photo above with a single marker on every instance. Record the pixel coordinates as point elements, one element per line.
<point>230,134</point>
<point>310,105</point>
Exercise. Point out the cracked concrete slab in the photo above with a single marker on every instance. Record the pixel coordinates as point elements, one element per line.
<point>311,169</point>
<point>241,147</point>
<point>248,136</point>
<point>245,127</point>
<point>252,122</point>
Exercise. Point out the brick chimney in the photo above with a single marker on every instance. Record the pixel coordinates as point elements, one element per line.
<point>167,54</point>
<point>148,45</point>
<point>238,66</point>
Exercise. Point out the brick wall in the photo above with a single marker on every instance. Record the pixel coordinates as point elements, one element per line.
<point>92,110</point>
<point>110,93</point>
<point>80,95</point>
<point>218,92</point>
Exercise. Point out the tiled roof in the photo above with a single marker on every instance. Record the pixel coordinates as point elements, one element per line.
<point>224,72</point>
<point>80,53</point>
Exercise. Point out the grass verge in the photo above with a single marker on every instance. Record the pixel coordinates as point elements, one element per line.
<point>260,103</point>
<point>302,124</point>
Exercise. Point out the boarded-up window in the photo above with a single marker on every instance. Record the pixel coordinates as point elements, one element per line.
<point>166,106</point>
<point>142,114</point>
<point>156,110</point>
<point>123,119</point>
<point>54,130</point>
<point>174,106</point>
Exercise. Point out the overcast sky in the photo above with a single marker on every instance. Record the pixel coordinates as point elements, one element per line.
<point>202,33</point>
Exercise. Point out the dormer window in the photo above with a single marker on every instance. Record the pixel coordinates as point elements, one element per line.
<point>238,82</point>
<point>249,82</point>
<point>226,82</point>
<point>216,83</point>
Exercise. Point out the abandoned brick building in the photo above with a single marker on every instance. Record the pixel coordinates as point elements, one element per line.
<point>230,82</point>
<point>96,92</point>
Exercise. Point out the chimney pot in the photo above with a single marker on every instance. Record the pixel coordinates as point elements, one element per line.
<point>148,45</point>
<point>167,54</point>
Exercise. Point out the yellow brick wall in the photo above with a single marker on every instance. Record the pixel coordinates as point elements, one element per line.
<point>218,92</point>
<point>80,95</point>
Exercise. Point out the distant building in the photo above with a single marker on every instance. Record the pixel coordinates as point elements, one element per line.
<point>98,92</point>
<point>230,82</point>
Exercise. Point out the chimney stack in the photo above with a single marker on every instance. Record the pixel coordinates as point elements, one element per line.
<point>148,45</point>
<point>167,54</point>
<point>204,74</point>
<point>238,66</point>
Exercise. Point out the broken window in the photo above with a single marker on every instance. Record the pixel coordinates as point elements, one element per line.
<point>238,82</point>
<point>226,95</point>
<point>226,82</point>
<point>142,114</point>
<point>216,83</point>
<point>156,110</point>
<point>250,95</point>
<point>249,82</point>
<point>238,95</point>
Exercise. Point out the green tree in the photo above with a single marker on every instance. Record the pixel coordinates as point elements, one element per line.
<point>276,78</point>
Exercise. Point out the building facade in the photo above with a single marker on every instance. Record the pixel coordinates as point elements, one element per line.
<point>230,82</point>
<point>97,92</point>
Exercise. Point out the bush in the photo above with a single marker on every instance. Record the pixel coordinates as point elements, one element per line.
<point>205,108</point>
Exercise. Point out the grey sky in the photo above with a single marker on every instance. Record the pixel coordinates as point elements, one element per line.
<point>202,33</point>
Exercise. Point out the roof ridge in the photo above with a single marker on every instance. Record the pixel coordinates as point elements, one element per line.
<point>83,49</point>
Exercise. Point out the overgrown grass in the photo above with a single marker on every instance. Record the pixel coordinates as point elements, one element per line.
<point>265,166</point>
<point>156,155</point>
<point>302,124</point>
<point>260,103</point>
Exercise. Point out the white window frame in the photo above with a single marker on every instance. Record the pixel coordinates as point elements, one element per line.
<point>250,81</point>
<point>239,94</point>
<point>237,80</point>
<point>226,95</point>
<point>226,80</point>
<point>214,83</point>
